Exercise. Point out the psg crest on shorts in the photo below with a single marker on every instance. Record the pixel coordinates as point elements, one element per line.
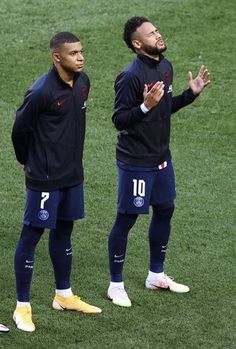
<point>43,215</point>
<point>138,201</point>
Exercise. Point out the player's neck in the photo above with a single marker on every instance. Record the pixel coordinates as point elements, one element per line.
<point>66,76</point>
<point>156,57</point>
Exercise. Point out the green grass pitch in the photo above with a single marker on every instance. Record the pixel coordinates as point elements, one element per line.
<point>202,247</point>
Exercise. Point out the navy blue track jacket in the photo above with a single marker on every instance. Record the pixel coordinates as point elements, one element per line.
<point>49,130</point>
<point>143,139</point>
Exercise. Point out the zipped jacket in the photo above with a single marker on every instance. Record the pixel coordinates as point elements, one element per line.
<point>49,130</point>
<point>143,139</point>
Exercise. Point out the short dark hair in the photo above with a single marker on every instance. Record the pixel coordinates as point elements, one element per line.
<point>61,38</point>
<point>130,27</point>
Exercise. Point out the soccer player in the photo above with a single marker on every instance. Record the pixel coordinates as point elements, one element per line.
<point>143,108</point>
<point>48,138</point>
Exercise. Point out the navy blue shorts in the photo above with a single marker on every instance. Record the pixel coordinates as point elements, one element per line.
<point>43,209</point>
<point>140,187</point>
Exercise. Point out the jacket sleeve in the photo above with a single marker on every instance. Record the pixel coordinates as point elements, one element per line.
<point>178,102</point>
<point>24,125</point>
<point>127,101</point>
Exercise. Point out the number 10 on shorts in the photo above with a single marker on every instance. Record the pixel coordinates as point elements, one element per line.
<point>138,187</point>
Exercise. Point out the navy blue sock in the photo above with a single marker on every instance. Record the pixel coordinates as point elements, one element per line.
<point>117,244</point>
<point>60,251</point>
<point>24,260</point>
<point>159,232</point>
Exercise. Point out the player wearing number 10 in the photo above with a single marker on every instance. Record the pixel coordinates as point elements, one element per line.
<point>48,138</point>
<point>143,107</point>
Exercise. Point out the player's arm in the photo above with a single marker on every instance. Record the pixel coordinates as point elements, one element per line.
<point>186,98</point>
<point>24,125</point>
<point>196,86</point>
<point>133,101</point>
<point>128,99</point>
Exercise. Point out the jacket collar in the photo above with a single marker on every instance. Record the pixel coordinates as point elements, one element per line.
<point>148,60</point>
<point>56,74</point>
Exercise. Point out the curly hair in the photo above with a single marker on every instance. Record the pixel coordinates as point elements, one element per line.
<point>130,27</point>
<point>61,38</point>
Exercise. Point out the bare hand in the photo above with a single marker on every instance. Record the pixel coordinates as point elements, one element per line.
<point>201,81</point>
<point>152,98</point>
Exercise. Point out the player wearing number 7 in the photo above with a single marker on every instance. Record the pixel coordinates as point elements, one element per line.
<point>48,137</point>
<point>143,107</point>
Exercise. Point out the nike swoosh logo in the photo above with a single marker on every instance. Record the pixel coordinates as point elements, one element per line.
<point>60,103</point>
<point>121,255</point>
<point>149,85</point>
<point>160,288</point>
<point>68,249</point>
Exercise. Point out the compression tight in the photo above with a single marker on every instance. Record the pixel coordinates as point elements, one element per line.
<point>117,244</point>
<point>159,232</point>
<point>24,260</point>
<point>60,251</point>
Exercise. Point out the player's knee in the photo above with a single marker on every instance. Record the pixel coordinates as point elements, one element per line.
<point>63,230</point>
<point>126,220</point>
<point>65,225</point>
<point>31,235</point>
<point>164,210</point>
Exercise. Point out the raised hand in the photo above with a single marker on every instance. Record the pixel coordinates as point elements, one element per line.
<point>151,98</point>
<point>201,80</point>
